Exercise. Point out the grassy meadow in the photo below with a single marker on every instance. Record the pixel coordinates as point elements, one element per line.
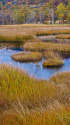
<point>25,100</point>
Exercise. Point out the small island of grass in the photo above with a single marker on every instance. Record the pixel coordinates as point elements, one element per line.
<point>27,57</point>
<point>53,62</point>
<point>41,46</point>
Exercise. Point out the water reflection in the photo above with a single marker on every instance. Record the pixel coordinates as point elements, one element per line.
<point>34,69</point>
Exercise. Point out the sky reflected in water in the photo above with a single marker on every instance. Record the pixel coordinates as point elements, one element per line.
<point>33,69</point>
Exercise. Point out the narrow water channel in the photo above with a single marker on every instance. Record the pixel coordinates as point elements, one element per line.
<point>33,69</point>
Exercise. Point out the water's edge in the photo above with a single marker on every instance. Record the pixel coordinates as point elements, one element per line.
<point>33,69</point>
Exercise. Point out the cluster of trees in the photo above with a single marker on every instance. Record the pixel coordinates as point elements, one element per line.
<point>35,2</point>
<point>26,11</point>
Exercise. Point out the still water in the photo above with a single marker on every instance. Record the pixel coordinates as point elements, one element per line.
<point>33,69</point>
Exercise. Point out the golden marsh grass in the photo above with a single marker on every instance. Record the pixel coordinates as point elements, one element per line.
<point>15,84</point>
<point>25,100</point>
<point>49,54</point>
<point>63,36</point>
<point>52,32</point>
<point>28,101</point>
<point>30,29</point>
<point>40,46</point>
<point>56,116</point>
<point>53,62</point>
<point>27,57</point>
<point>18,38</point>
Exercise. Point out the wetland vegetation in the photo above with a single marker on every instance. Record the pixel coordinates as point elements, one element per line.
<point>25,100</point>
<point>40,46</point>
<point>27,57</point>
<point>29,101</point>
<point>15,38</point>
<point>63,36</point>
<point>52,32</point>
<point>54,62</point>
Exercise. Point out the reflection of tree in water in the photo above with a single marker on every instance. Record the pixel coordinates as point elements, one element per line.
<point>37,67</point>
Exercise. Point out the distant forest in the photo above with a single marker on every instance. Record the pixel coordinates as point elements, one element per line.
<point>35,2</point>
<point>34,11</point>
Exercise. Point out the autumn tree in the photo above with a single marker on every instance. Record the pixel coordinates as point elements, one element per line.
<point>20,16</point>
<point>60,12</point>
<point>68,12</point>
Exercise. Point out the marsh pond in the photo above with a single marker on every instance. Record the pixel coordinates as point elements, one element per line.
<point>32,68</point>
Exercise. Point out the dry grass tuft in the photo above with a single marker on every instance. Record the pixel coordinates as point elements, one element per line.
<point>63,36</point>
<point>27,57</point>
<point>44,117</point>
<point>49,54</point>
<point>53,62</point>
